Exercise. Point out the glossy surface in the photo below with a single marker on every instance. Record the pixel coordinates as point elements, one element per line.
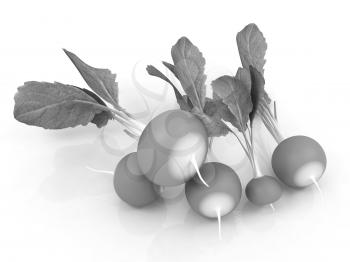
<point>167,145</point>
<point>298,161</point>
<point>131,185</point>
<point>263,190</point>
<point>222,195</point>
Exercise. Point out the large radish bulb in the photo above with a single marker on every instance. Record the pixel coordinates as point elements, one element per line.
<point>131,185</point>
<point>263,190</point>
<point>167,146</point>
<point>221,194</point>
<point>299,161</point>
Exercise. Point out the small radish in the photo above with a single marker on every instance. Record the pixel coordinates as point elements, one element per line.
<point>263,190</point>
<point>131,185</point>
<point>169,145</point>
<point>243,101</point>
<point>220,196</point>
<point>299,161</point>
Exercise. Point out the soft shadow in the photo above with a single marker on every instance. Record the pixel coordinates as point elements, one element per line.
<point>192,238</point>
<point>301,201</point>
<point>71,179</point>
<point>141,221</point>
<point>256,218</point>
<point>72,134</point>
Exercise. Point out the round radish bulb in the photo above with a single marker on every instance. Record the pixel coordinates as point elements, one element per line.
<point>222,195</point>
<point>167,146</point>
<point>299,161</point>
<point>263,190</point>
<point>131,185</point>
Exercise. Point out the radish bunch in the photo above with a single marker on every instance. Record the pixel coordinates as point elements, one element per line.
<point>172,148</point>
<point>171,151</point>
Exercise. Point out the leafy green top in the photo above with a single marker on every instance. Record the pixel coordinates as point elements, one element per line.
<point>235,98</point>
<point>56,106</point>
<point>252,47</point>
<point>188,68</point>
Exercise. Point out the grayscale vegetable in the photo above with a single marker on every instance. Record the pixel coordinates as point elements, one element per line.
<point>236,99</point>
<point>222,194</point>
<point>131,185</point>
<point>299,161</point>
<point>188,68</point>
<point>167,146</point>
<point>263,190</point>
<point>173,146</point>
<point>243,103</point>
<point>57,106</point>
<point>252,47</point>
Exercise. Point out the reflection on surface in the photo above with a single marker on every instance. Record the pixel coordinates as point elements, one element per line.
<point>142,221</point>
<point>173,229</point>
<point>71,179</point>
<point>72,176</point>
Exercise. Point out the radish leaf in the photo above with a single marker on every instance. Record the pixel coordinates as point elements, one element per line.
<point>100,119</point>
<point>252,47</point>
<point>257,91</point>
<point>237,97</point>
<point>243,74</point>
<point>219,110</point>
<point>185,97</point>
<point>170,67</point>
<point>55,105</point>
<point>189,69</point>
<point>102,81</point>
<point>214,126</point>
<point>179,98</point>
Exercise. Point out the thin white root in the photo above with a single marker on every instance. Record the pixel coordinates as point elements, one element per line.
<point>272,207</point>
<point>218,214</point>
<point>194,163</point>
<point>99,171</point>
<point>317,185</point>
<point>322,199</point>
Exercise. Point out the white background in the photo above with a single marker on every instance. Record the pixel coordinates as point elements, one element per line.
<point>52,208</point>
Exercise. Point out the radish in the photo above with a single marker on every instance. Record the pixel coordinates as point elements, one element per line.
<point>299,161</point>
<point>131,185</point>
<point>220,196</point>
<point>235,99</point>
<point>243,102</point>
<point>167,146</point>
<point>263,190</point>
